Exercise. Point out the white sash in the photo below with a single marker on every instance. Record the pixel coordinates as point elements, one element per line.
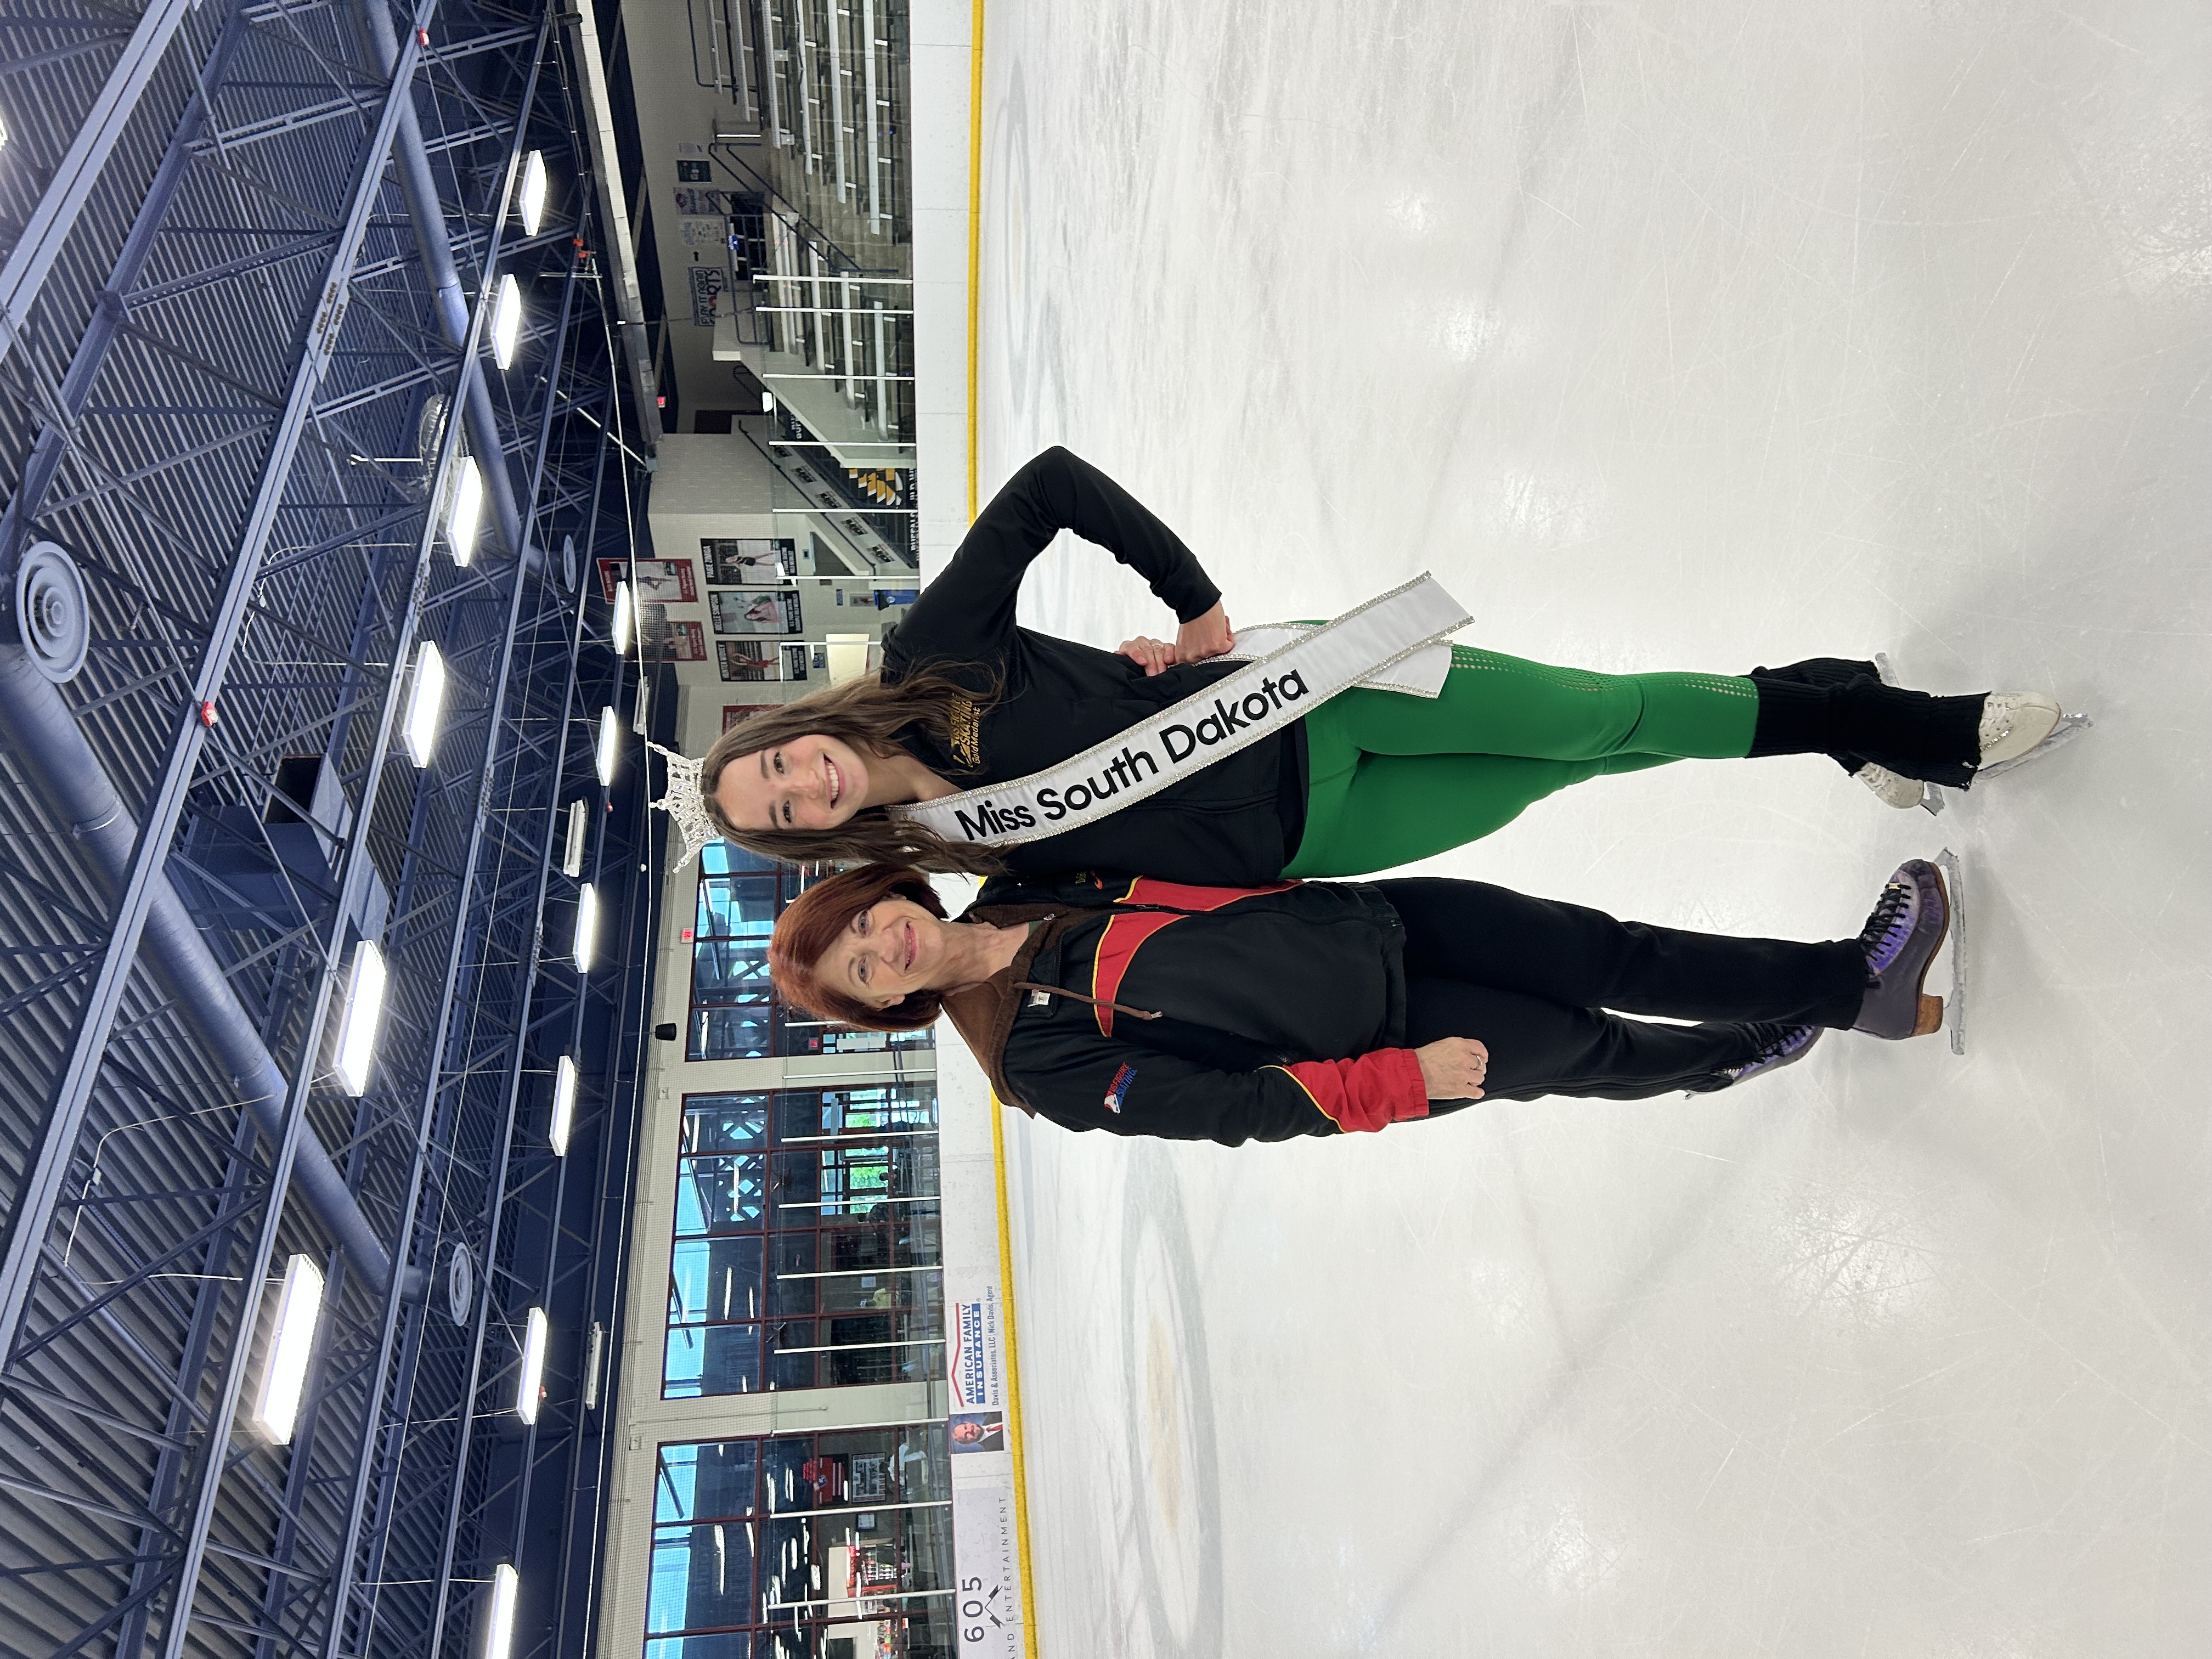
<point>1398,641</point>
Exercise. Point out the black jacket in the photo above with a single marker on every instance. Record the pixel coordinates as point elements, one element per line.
<point>1238,822</point>
<point>1281,1011</point>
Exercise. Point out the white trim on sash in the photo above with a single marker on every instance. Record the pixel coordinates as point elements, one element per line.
<point>1397,642</point>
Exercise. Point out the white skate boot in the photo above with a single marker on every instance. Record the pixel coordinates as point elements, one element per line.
<point>1892,788</point>
<point>2015,722</point>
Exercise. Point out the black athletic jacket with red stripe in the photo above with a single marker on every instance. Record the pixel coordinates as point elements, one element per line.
<point>1196,1013</point>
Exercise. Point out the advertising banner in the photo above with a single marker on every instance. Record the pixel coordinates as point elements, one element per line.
<point>981,1360</point>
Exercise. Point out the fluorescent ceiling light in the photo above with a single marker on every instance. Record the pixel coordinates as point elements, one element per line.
<point>619,631</point>
<point>364,1012</point>
<point>588,926</point>
<point>610,735</point>
<point>506,321</point>
<point>466,510</point>
<point>533,1379</point>
<point>533,192</point>
<point>298,1305</point>
<point>564,1106</point>
<point>499,1623</point>
<point>425,703</point>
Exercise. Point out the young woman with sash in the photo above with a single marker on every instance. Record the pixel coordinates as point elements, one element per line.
<point>1317,1008</point>
<point>983,746</point>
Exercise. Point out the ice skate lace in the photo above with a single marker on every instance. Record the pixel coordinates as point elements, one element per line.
<point>1888,928</point>
<point>1777,1049</point>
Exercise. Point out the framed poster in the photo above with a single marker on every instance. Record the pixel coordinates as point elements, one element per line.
<point>662,640</point>
<point>755,611</point>
<point>655,581</point>
<point>708,283</point>
<point>734,713</point>
<point>659,640</point>
<point>748,561</point>
<point>745,661</point>
<point>978,1431</point>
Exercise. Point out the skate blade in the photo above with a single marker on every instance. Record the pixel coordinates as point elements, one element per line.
<point>1931,800</point>
<point>1954,889</point>
<point>2069,726</point>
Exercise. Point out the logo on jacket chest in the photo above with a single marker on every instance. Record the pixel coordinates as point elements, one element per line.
<point>966,731</point>
<point>1115,1091</point>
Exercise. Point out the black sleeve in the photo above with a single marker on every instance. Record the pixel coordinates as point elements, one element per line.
<point>967,615</point>
<point>1163,1095</point>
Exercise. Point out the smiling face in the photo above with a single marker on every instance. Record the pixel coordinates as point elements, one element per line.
<point>813,782</point>
<point>892,948</point>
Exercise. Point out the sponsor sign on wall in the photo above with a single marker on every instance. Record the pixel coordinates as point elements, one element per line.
<point>986,1531</point>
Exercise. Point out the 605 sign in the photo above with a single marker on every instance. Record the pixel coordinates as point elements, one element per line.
<point>979,1610</point>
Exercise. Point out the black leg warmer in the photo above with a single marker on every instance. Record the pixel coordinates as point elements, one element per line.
<point>1837,707</point>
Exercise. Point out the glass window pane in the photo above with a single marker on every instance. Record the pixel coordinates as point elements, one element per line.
<point>727,1480</point>
<point>796,1205</point>
<point>731,907</point>
<point>729,970</point>
<point>672,1493</point>
<point>850,1515</point>
<point>740,1033</point>
<point>733,1644</point>
<point>721,1193</point>
<point>724,1123</point>
<point>702,1576</point>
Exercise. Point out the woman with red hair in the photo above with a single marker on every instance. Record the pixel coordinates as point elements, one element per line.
<point>1234,1014</point>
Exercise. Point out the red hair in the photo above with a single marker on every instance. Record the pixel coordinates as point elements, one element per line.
<point>813,923</point>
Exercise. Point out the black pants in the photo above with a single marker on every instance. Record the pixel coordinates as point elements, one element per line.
<point>1534,980</point>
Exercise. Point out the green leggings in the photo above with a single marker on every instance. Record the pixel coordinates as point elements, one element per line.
<point>1395,778</point>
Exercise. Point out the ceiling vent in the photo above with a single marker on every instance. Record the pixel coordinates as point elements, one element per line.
<point>53,612</point>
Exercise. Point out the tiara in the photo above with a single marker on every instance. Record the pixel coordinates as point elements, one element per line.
<point>686,803</point>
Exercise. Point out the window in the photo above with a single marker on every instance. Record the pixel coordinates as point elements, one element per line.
<point>808,1242</point>
<point>735,1014</point>
<point>800,1546</point>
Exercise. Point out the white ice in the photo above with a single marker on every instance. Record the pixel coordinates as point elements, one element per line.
<point>1673,336</point>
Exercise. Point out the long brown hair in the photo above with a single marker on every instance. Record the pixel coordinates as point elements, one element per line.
<point>869,716</point>
<point>809,925</point>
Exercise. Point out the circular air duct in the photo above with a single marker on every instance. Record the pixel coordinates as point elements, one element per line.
<point>460,1283</point>
<point>52,611</point>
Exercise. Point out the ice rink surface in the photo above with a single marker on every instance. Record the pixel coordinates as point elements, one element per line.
<point>1672,336</point>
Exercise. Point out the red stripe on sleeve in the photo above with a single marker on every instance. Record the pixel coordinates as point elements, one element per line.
<point>1366,1094</point>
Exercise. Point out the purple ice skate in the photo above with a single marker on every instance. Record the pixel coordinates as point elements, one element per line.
<point>1900,940</point>
<point>1787,1049</point>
